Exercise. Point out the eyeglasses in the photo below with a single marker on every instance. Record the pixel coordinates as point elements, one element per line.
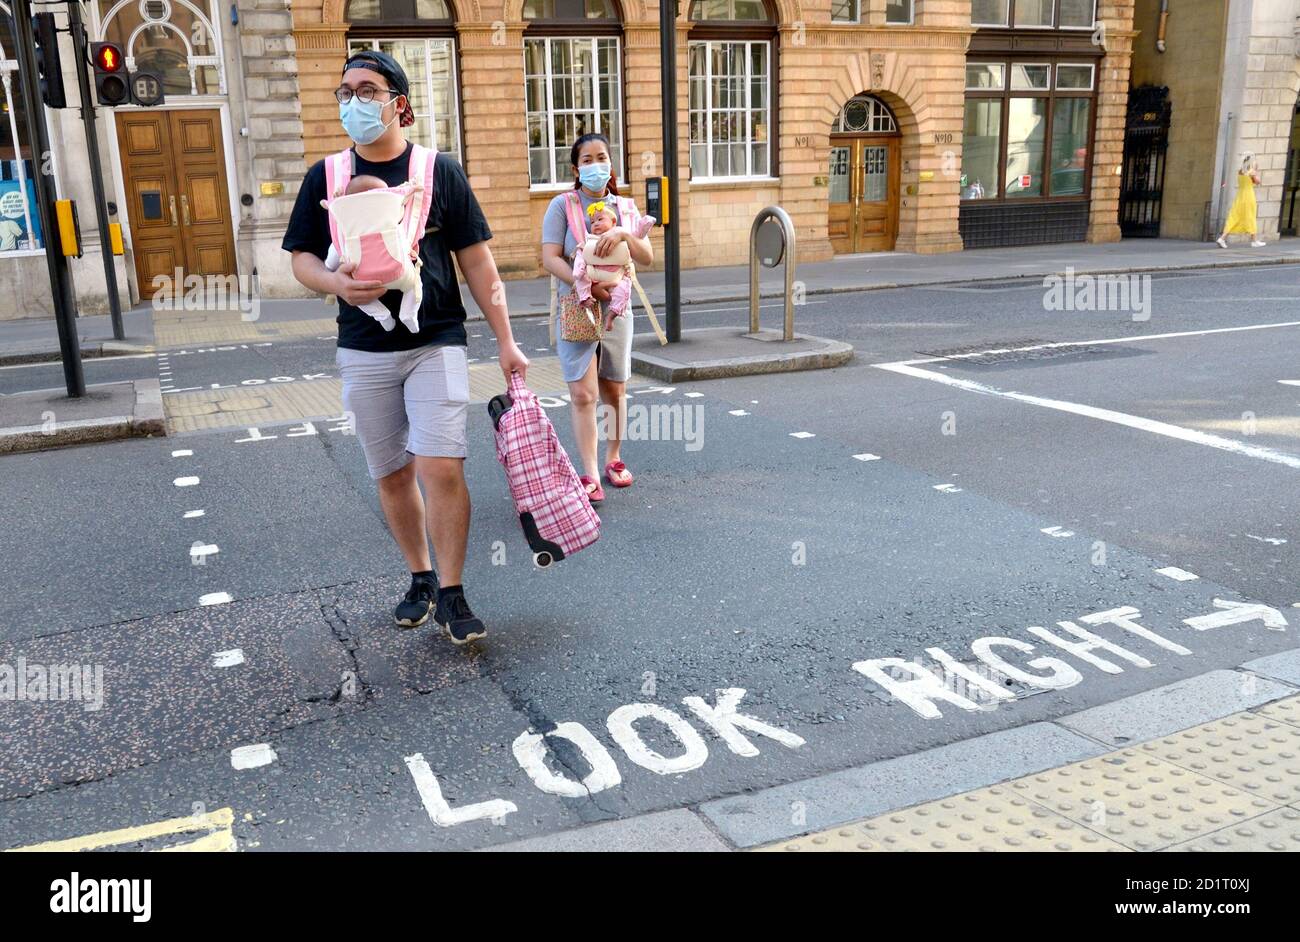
<point>364,94</point>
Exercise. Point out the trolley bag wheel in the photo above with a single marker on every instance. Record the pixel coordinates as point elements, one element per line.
<point>498,406</point>
<point>542,548</point>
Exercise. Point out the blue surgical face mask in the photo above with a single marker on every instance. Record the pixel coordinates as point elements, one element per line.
<point>594,176</point>
<point>363,120</point>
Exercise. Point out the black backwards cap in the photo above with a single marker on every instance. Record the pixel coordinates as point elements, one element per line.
<point>387,66</point>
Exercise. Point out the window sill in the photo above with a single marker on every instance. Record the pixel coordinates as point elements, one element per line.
<point>550,189</point>
<point>22,253</point>
<point>734,182</point>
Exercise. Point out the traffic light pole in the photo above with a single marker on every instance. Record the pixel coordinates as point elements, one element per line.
<point>65,301</point>
<point>80,55</point>
<point>672,242</point>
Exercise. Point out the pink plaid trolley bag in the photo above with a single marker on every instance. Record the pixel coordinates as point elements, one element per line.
<point>554,512</point>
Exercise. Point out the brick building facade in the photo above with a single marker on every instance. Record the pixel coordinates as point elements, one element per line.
<point>910,125</point>
<point>851,118</point>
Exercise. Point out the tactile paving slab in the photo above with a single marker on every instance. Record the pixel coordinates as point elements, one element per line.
<point>1139,800</point>
<point>989,819</point>
<point>1276,831</point>
<point>1284,711</point>
<point>1247,751</point>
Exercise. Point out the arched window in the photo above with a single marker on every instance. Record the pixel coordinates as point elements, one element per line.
<point>175,39</point>
<point>572,83</point>
<point>419,34</point>
<point>864,114</point>
<point>732,53</point>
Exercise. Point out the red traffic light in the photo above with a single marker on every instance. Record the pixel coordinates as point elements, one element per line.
<point>108,57</point>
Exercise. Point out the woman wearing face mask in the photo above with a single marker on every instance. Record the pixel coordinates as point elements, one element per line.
<point>408,392</point>
<point>598,370</point>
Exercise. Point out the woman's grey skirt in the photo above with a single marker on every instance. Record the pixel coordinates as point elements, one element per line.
<point>615,360</point>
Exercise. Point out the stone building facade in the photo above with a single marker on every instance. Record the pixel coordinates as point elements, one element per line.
<point>1232,70</point>
<point>201,185</point>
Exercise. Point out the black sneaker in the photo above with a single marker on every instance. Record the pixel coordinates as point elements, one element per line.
<point>413,611</point>
<point>454,614</point>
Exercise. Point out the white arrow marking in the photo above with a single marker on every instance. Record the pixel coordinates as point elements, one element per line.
<point>1234,613</point>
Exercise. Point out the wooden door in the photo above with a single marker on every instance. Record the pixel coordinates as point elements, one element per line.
<point>876,170</point>
<point>174,167</point>
<point>863,194</point>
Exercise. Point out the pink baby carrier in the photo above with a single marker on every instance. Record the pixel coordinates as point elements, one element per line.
<point>381,230</point>
<point>553,508</point>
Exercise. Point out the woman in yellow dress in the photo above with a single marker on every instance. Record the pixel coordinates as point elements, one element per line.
<point>1242,216</point>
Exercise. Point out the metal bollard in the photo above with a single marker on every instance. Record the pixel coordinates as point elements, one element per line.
<point>786,258</point>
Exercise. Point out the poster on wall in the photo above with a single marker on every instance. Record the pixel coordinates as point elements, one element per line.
<point>14,216</point>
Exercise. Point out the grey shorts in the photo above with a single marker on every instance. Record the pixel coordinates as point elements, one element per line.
<point>412,402</point>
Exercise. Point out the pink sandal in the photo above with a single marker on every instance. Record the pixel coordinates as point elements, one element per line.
<point>595,493</point>
<point>618,467</point>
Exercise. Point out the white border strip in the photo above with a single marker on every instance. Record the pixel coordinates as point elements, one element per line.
<point>908,368</point>
<point>1089,343</point>
<point>1106,415</point>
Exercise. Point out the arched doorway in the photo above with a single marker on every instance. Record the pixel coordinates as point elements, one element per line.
<point>864,174</point>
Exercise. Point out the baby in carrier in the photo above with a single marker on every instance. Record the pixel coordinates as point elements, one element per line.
<point>613,269</point>
<point>379,227</point>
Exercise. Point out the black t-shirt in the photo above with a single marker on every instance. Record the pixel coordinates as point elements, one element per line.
<point>455,222</point>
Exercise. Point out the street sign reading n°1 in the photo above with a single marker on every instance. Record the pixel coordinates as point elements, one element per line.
<point>146,89</point>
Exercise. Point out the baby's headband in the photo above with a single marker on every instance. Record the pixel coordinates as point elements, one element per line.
<point>597,208</point>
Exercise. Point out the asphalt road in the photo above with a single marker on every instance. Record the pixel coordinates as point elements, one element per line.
<point>825,519</point>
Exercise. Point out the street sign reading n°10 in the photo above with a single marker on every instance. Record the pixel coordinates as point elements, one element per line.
<point>146,89</point>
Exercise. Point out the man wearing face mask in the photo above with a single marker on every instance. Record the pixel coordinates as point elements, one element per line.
<point>408,392</point>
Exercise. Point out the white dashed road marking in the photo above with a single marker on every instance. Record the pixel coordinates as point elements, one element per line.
<point>1057,532</point>
<point>737,412</point>
<point>948,488</point>
<point>198,551</point>
<point>802,435</point>
<point>252,757</point>
<point>232,658</point>
<point>867,456</point>
<point>215,598</point>
<point>1179,575</point>
<point>186,481</point>
<point>182,453</point>
<point>191,514</point>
